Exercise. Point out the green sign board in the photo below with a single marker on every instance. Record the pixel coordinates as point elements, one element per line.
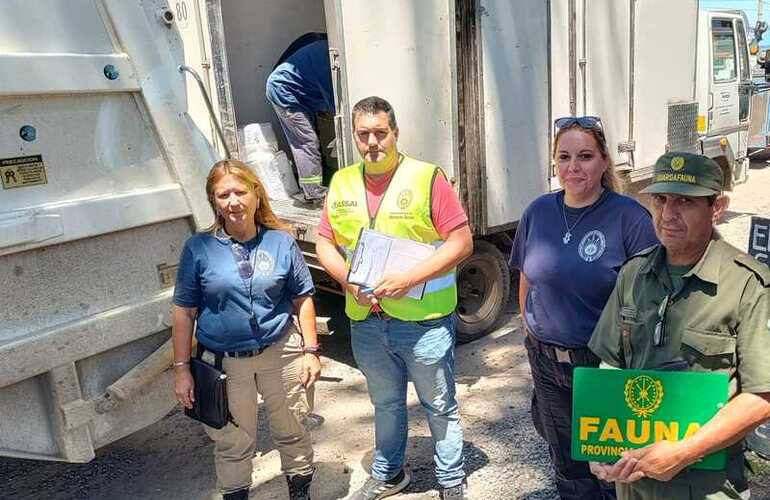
<point>616,410</point>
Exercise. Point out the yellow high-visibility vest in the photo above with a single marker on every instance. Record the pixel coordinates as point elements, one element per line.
<point>405,211</point>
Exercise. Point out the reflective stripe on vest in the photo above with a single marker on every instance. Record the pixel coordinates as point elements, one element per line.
<point>405,211</point>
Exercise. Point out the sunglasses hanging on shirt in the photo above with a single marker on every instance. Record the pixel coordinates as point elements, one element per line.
<point>245,264</point>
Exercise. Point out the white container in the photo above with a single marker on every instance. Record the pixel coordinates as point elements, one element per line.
<point>260,136</point>
<point>275,172</point>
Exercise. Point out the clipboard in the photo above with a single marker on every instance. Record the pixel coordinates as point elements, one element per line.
<point>377,254</point>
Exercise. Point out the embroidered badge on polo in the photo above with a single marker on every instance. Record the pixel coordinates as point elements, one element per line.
<point>592,245</point>
<point>264,263</point>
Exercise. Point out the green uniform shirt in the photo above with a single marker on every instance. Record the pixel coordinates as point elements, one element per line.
<point>718,321</point>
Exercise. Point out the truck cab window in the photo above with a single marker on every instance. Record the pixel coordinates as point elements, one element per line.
<point>723,47</point>
<point>743,51</point>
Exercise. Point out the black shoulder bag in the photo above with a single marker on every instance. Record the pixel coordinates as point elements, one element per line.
<point>210,406</point>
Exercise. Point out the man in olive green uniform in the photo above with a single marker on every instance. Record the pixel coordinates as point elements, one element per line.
<point>692,303</point>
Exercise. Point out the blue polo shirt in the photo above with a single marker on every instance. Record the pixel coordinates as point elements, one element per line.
<point>303,82</point>
<point>569,284</point>
<point>208,279</point>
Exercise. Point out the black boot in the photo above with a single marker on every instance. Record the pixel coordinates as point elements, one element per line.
<point>237,495</point>
<point>299,486</point>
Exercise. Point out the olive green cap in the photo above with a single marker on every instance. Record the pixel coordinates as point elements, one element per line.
<point>686,174</point>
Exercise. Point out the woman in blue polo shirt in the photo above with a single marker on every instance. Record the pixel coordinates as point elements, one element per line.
<point>569,246</point>
<point>237,287</point>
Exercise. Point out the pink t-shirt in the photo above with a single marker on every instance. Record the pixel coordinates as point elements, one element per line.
<point>447,212</point>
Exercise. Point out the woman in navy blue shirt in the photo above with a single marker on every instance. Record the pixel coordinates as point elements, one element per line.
<point>569,246</point>
<point>238,285</point>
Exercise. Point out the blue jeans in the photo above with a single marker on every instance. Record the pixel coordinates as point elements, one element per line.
<point>390,352</point>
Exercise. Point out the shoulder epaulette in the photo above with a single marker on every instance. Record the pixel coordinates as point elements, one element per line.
<point>762,271</point>
<point>647,251</point>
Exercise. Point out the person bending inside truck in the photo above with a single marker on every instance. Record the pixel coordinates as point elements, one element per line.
<point>691,303</point>
<point>396,338</point>
<point>568,248</point>
<point>299,88</point>
<point>238,284</point>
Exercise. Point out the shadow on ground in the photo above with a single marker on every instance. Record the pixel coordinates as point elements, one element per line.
<point>419,462</point>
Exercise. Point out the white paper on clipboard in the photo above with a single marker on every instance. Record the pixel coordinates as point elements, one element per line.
<point>378,254</point>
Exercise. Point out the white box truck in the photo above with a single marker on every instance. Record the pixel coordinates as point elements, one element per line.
<point>103,156</point>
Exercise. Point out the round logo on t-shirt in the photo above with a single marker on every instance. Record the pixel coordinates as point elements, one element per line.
<point>592,245</point>
<point>264,263</point>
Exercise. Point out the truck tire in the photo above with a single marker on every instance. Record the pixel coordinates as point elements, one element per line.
<point>483,289</point>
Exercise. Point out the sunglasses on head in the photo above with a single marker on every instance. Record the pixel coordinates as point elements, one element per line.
<point>586,122</point>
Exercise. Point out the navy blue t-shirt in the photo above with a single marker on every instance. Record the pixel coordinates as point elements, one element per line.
<point>569,284</point>
<point>208,279</point>
<point>303,82</point>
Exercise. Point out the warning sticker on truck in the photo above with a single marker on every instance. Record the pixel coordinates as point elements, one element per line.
<point>22,172</point>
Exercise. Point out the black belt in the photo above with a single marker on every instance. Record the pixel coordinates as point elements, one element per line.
<point>250,353</point>
<point>581,356</point>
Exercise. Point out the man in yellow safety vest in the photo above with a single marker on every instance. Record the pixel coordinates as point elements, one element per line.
<point>396,337</point>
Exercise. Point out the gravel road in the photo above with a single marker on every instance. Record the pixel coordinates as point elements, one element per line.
<point>505,458</point>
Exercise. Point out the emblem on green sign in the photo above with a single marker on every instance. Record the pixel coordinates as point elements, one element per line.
<point>644,395</point>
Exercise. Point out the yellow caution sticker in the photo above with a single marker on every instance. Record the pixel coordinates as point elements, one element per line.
<point>23,171</point>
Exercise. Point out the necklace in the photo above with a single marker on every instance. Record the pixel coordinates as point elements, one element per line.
<point>568,234</point>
